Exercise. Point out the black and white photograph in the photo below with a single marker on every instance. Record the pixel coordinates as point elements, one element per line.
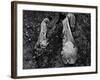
<point>56,39</point>
<point>53,39</point>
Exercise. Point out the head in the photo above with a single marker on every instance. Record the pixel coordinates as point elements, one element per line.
<point>49,17</point>
<point>48,23</point>
<point>62,16</point>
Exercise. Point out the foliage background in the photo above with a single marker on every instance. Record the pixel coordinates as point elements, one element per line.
<point>31,29</point>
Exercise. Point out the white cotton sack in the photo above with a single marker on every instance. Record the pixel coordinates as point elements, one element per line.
<point>69,53</point>
<point>68,47</point>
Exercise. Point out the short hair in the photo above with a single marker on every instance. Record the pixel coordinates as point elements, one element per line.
<point>49,17</point>
<point>62,16</point>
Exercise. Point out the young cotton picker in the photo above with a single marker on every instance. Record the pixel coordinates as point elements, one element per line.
<point>42,40</point>
<point>69,50</point>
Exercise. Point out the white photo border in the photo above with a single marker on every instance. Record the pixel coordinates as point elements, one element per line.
<point>54,71</point>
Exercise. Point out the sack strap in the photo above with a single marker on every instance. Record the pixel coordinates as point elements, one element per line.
<point>67,31</point>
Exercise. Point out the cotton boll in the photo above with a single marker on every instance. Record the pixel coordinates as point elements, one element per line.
<point>43,43</point>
